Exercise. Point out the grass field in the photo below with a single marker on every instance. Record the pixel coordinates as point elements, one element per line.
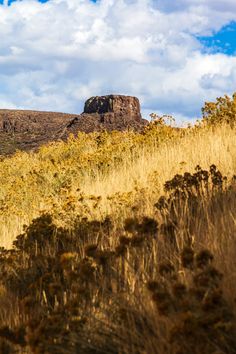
<point>122,242</point>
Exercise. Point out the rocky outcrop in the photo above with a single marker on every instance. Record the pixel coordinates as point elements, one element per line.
<point>112,112</point>
<point>125,107</point>
<point>30,129</point>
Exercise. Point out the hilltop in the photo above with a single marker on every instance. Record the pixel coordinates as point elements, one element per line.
<point>27,130</point>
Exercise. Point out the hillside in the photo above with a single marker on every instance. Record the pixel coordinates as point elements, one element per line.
<point>122,242</point>
<point>28,130</point>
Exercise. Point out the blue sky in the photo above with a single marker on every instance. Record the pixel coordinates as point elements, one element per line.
<point>42,1</point>
<point>11,1</point>
<point>174,56</point>
<point>222,41</point>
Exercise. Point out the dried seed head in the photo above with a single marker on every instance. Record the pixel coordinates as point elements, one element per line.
<point>204,258</point>
<point>187,257</point>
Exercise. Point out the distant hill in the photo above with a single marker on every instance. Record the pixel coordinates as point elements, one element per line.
<point>28,130</point>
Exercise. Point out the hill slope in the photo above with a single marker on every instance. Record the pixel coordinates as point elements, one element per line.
<point>123,242</point>
<point>27,130</point>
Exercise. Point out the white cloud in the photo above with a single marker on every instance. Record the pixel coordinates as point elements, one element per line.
<point>55,55</point>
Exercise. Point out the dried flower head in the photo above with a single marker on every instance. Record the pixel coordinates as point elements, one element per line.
<point>187,257</point>
<point>203,258</point>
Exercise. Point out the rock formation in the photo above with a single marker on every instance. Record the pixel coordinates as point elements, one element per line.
<point>123,107</point>
<point>27,130</point>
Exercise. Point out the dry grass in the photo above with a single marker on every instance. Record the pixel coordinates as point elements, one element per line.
<point>201,147</point>
<point>127,253</point>
<point>55,178</point>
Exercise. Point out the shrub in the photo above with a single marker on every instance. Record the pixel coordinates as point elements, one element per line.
<point>221,111</point>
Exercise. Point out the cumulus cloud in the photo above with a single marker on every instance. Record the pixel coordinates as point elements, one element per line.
<point>55,55</point>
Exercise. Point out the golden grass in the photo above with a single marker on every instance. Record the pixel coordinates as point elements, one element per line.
<point>202,147</point>
<point>107,269</point>
<point>108,177</point>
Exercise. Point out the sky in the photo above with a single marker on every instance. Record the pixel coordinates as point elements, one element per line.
<point>172,55</point>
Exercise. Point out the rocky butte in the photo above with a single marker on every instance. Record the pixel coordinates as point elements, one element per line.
<point>27,130</point>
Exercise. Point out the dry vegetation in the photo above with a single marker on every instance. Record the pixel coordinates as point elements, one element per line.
<point>122,242</point>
